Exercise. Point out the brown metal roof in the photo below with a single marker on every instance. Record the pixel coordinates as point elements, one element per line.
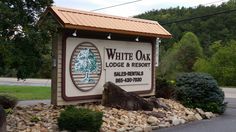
<point>76,19</point>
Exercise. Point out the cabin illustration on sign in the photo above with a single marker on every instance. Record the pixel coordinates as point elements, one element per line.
<point>90,49</point>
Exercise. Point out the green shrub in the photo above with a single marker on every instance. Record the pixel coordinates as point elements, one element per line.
<point>8,101</point>
<point>74,119</point>
<point>34,119</point>
<point>200,90</point>
<point>9,111</point>
<point>164,89</point>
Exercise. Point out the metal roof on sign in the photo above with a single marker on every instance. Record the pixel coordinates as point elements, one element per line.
<point>84,20</point>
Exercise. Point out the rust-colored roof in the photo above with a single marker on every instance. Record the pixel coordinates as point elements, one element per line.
<point>76,19</point>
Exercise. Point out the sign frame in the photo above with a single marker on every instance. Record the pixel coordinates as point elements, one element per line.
<point>118,37</point>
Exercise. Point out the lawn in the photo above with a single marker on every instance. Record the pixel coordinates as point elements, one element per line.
<point>27,92</point>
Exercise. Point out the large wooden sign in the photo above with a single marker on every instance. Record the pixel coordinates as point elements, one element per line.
<point>90,63</point>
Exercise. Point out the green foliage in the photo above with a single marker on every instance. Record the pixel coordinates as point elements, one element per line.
<point>7,101</point>
<point>208,29</point>
<point>199,90</point>
<point>9,111</point>
<point>74,119</point>
<point>22,43</point>
<point>221,65</point>
<point>27,92</point>
<point>164,89</point>
<point>181,57</point>
<point>214,33</point>
<point>34,119</point>
<point>188,50</point>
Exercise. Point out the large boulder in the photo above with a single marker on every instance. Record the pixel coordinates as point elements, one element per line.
<point>114,96</point>
<point>2,120</point>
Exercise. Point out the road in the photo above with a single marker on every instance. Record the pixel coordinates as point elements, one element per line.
<point>27,82</point>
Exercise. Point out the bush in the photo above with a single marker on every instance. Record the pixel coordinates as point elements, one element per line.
<point>8,101</point>
<point>9,111</point>
<point>200,90</point>
<point>164,88</point>
<point>74,119</point>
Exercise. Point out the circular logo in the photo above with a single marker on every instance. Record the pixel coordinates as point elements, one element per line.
<point>85,66</point>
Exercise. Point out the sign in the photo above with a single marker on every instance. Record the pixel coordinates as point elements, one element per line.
<point>128,66</point>
<point>90,63</point>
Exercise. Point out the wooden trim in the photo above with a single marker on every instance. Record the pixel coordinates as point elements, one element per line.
<point>56,40</point>
<point>69,26</point>
<point>67,34</point>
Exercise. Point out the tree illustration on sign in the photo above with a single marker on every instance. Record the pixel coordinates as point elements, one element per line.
<point>85,62</point>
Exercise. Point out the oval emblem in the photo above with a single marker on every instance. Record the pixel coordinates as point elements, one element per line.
<point>85,66</point>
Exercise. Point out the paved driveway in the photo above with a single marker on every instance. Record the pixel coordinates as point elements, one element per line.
<point>27,82</point>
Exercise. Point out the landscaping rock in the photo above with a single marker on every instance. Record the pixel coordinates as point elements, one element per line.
<point>209,115</point>
<point>198,116</point>
<point>138,129</point>
<point>157,104</point>
<point>201,112</point>
<point>157,114</point>
<point>114,96</point>
<point>147,129</point>
<point>114,119</point>
<point>152,120</point>
<point>121,129</point>
<point>188,112</point>
<point>176,121</point>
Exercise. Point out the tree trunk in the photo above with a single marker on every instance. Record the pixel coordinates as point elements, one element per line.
<point>114,96</point>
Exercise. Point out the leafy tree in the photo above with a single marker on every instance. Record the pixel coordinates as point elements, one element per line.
<point>181,57</point>
<point>208,29</point>
<point>189,49</point>
<point>22,43</point>
<point>221,64</point>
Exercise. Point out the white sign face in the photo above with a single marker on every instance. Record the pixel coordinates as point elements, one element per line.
<point>90,63</point>
<point>128,66</point>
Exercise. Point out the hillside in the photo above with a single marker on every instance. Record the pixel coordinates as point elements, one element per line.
<point>209,23</point>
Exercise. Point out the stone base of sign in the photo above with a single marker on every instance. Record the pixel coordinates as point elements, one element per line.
<point>114,96</point>
<point>2,120</point>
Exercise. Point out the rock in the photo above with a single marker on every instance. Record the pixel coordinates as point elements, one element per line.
<point>114,119</point>
<point>100,107</point>
<point>152,120</point>
<point>155,127</point>
<point>209,115</point>
<point>201,112</point>
<point>175,121</point>
<point>182,121</point>
<point>198,116</point>
<point>147,129</point>
<point>166,124</point>
<point>157,104</point>
<point>191,117</point>
<point>156,114</point>
<point>114,96</point>
<point>122,122</point>
<point>188,112</point>
<point>2,120</point>
<point>138,129</point>
<point>122,129</point>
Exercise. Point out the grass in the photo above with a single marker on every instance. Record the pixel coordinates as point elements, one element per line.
<point>27,92</point>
